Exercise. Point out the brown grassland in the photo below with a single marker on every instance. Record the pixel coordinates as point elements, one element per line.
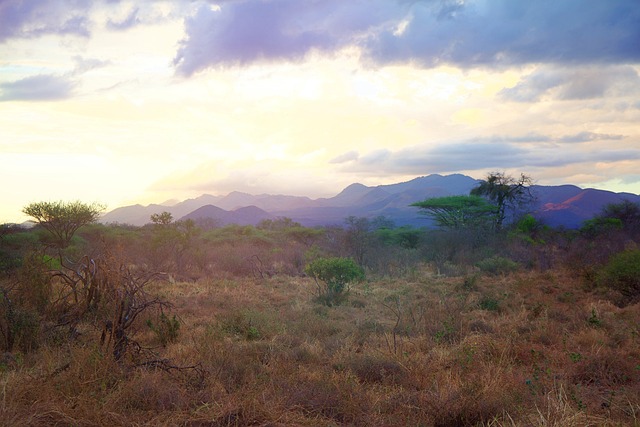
<point>531,347</point>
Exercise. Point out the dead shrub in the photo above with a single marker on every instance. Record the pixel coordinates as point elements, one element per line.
<point>150,391</point>
<point>605,368</point>
<point>322,395</point>
<point>375,369</point>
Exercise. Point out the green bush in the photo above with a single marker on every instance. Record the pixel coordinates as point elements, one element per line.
<point>497,265</point>
<point>622,273</point>
<point>333,277</point>
<point>489,304</point>
<point>166,329</point>
<point>247,324</point>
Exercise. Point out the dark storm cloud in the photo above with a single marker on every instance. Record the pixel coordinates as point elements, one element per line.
<point>574,83</point>
<point>515,32</point>
<point>487,153</point>
<point>241,32</point>
<point>37,88</point>
<point>427,32</point>
<point>33,18</point>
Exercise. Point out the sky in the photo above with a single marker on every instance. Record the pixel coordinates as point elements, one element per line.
<point>124,102</point>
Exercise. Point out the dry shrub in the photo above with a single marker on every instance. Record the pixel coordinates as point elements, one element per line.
<point>376,369</point>
<point>150,391</point>
<point>538,361</point>
<point>323,395</point>
<point>234,365</point>
<point>66,390</point>
<point>462,403</point>
<point>605,368</point>
<point>558,409</point>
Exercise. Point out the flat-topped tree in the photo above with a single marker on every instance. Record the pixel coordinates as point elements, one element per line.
<point>63,219</point>
<point>456,212</point>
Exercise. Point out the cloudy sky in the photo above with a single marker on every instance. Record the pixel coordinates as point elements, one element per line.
<point>125,102</point>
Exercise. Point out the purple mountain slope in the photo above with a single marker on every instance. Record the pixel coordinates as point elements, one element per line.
<point>564,205</point>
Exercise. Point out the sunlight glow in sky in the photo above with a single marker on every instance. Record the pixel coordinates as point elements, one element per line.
<point>125,102</point>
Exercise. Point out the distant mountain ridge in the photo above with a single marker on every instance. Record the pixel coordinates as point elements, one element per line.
<point>249,215</point>
<point>564,205</point>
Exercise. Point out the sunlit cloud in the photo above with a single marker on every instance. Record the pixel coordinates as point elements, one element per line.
<point>574,83</point>
<point>165,100</point>
<point>495,152</point>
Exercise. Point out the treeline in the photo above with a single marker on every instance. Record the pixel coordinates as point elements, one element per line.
<point>68,267</point>
<point>186,251</point>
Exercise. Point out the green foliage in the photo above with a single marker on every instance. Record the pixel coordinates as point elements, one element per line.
<point>51,263</point>
<point>489,304</point>
<point>527,224</point>
<point>406,236</point>
<point>236,234</point>
<point>250,325</point>
<point>278,224</point>
<point>333,276</point>
<point>171,241</point>
<point>470,283</point>
<point>63,219</point>
<point>626,211</point>
<point>497,265</point>
<point>594,320</point>
<point>529,230</point>
<point>448,332</point>
<point>166,329</point>
<point>622,273</point>
<point>600,226</point>
<point>575,357</point>
<point>15,241</point>
<point>455,212</point>
<point>164,218</point>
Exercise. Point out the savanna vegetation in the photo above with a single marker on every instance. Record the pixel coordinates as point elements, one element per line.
<point>488,319</point>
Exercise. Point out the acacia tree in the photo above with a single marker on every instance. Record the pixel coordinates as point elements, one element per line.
<point>456,212</point>
<point>63,219</point>
<point>508,194</point>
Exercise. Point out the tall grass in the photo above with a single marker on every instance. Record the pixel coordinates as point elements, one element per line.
<point>423,350</point>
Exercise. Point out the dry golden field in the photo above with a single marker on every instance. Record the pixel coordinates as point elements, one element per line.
<point>524,349</point>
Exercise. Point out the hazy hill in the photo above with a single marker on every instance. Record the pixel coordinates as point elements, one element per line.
<point>564,205</point>
<point>249,215</point>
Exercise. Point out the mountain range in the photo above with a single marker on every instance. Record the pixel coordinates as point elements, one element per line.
<point>565,205</point>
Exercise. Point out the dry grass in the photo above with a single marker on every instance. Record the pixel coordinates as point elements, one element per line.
<point>525,349</point>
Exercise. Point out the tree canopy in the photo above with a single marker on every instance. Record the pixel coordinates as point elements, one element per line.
<point>63,219</point>
<point>626,211</point>
<point>458,211</point>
